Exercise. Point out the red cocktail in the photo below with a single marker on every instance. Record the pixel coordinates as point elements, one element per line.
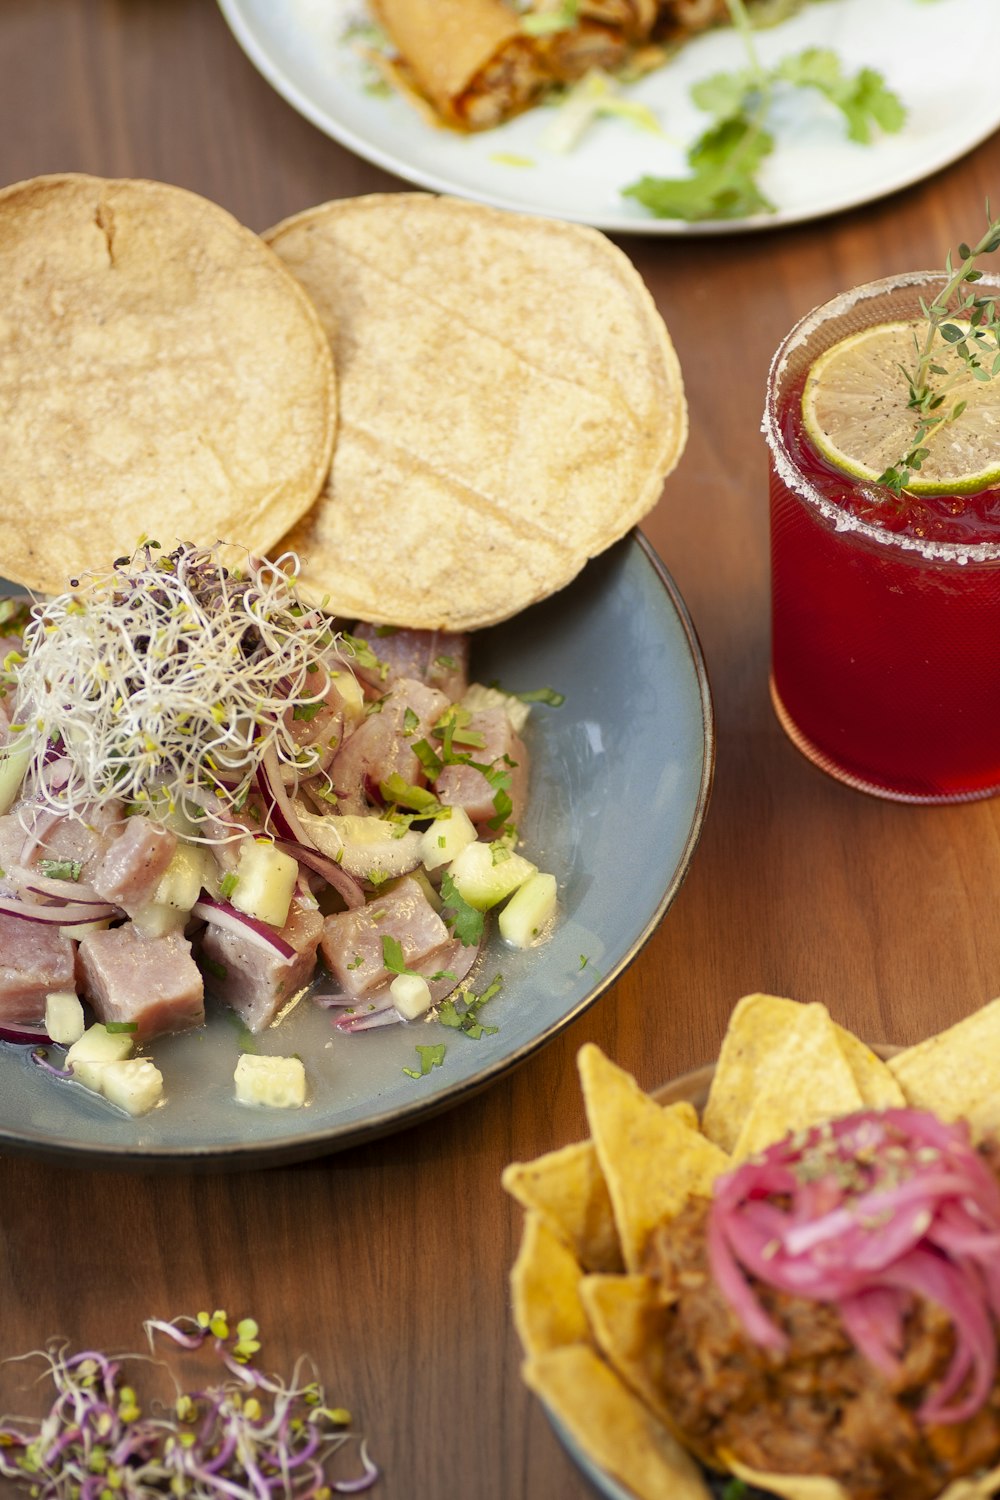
<point>885,608</point>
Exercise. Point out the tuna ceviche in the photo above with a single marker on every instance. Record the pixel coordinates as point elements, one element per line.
<point>206,785</point>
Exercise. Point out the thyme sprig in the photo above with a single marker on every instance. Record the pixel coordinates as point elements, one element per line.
<point>967,327</point>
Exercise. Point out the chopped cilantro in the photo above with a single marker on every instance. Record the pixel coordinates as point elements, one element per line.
<point>217,970</point>
<point>463,1014</point>
<point>428,758</point>
<point>61,869</point>
<point>404,794</point>
<point>113,1028</point>
<point>447,662</point>
<point>228,884</point>
<point>430,1057</point>
<point>543,695</point>
<point>465,922</point>
<point>584,960</point>
<point>356,962</point>
<point>504,807</point>
<point>392,956</point>
<point>307,711</point>
<point>411,721</point>
<point>365,656</point>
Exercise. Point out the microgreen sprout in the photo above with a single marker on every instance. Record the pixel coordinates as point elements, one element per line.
<point>249,1437</point>
<point>169,681</point>
<point>970,326</point>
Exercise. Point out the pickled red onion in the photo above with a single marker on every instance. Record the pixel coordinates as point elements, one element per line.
<point>867,1212</point>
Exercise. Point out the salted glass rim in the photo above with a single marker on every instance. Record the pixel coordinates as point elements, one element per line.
<point>788,471</point>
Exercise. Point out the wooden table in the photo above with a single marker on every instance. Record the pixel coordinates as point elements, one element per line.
<point>389,1263</point>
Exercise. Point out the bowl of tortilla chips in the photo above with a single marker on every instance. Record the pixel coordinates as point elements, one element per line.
<point>777,1274</point>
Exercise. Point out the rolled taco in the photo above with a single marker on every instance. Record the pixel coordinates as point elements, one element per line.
<point>568,55</point>
<point>680,18</point>
<point>470,59</point>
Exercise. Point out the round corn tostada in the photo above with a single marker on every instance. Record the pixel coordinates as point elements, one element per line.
<point>161,374</point>
<point>510,405</point>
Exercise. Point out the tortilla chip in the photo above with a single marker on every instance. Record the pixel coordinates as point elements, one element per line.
<point>510,406</point>
<point>544,1284</point>
<point>612,1426</point>
<point>874,1078</point>
<point>653,1159</point>
<point>627,1319</point>
<point>789,1486</point>
<point>161,375</point>
<point>981,1487</point>
<point>752,1050</point>
<point>946,1073</point>
<point>807,1080</point>
<point>566,1188</point>
<point>758,1024</point>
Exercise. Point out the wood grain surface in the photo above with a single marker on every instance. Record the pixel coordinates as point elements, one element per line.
<point>389,1263</point>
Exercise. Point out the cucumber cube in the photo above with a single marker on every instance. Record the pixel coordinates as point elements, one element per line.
<point>135,1084</point>
<point>278,1082</point>
<point>13,764</point>
<point>529,911</point>
<point>156,918</point>
<point>191,867</point>
<point>485,874</point>
<point>265,880</point>
<point>89,1056</point>
<point>445,839</point>
<point>411,995</point>
<point>64,1020</point>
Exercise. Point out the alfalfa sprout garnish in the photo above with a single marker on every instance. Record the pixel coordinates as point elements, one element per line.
<point>248,1437</point>
<point>170,682</point>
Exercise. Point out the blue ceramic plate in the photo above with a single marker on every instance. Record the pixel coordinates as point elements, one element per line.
<point>621,775</point>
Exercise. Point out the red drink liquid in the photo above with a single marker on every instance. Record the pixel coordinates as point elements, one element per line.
<point>885,621</point>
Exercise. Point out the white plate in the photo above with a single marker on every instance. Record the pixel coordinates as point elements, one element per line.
<point>298,46</point>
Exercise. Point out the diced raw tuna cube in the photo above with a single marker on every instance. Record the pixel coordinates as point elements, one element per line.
<point>34,959</point>
<point>463,786</point>
<point>319,727</point>
<point>352,940</point>
<point>255,983</point>
<point>383,744</point>
<point>129,870</point>
<point>153,982</point>
<point>439,658</point>
<point>84,839</point>
<point>11,844</point>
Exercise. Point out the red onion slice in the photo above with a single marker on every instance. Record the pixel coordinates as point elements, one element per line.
<point>74,892</point>
<point>345,885</point>
<point>277,801</point>
<point>866,1213</point>
<point>221,914</point>
<point>24,1036</point>
<point>53,914</point>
